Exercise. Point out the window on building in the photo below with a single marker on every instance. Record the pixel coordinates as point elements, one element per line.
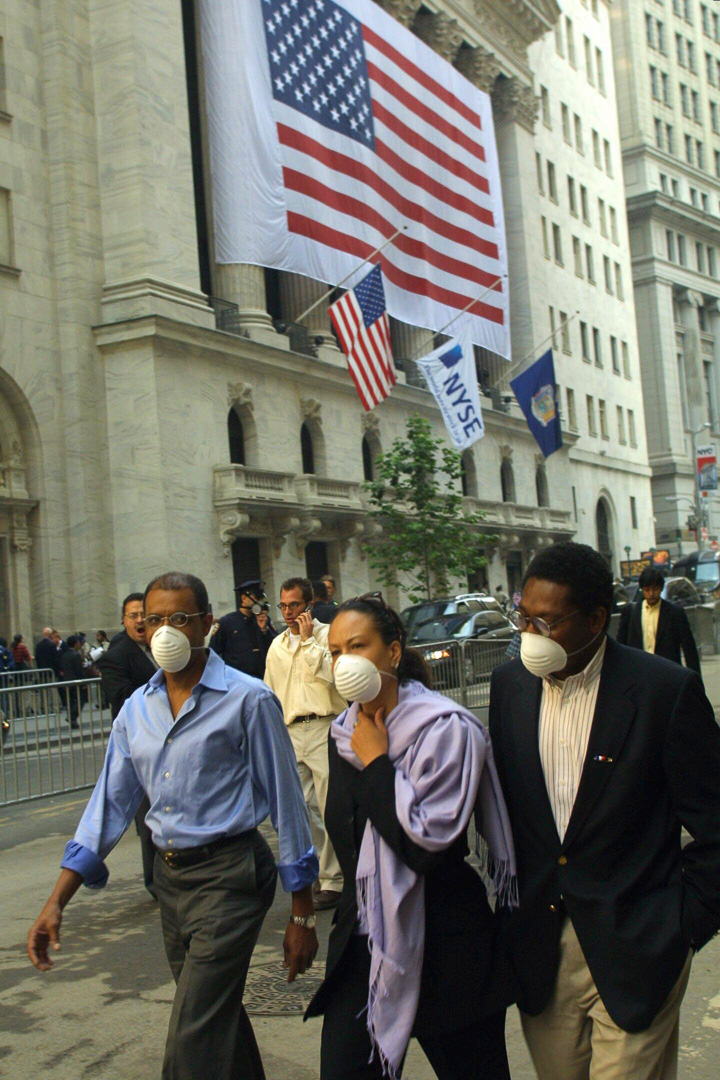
<point>689,156</point>
<point>507,481</point>
<point>694,196</point>
<point>700,257</point>
<point>613,225</point>
<point>626,359</point>
<point>590,405</point>
<point>565,114</point>
<point>682,251</point>
<point>655,82</point>
<point>710,68</point>
<point>633,513</point>
<point>559,47</point>
<point>691,56</point>
<point>676,189</point>
<point>596,149</point>
<point>700,154</point>
<point>619,291</point>
<point>600,70</point>
<point>684,99</point>
<point>597,347</point>
<point>541,486</point>
<point>579,145</point>
<point>570,40</point>
<point>585,342</point>
<point>594,8</point>
<point>631,427</point>
<point>540,174</point>
<point>659,132</point>
<point>705,201</point>
<point>6,252</point>
<point>572,196</point>
<point>705,16</point>
<point>712,264</point>
<point>607,270</point>
<point>665,88</point>
<point>564,332</point>
<point>545,106</point>
<point>714,117</point>
<point>588,61</point>
<point>717,70</point>
<point>585,204</point>
<point>650,30</point>
<point>622,437</point>
<point>717,162</point>
<point>557,245</point>
<point>552,183</point>
<point>695,106</point>
<point>601,215</point>
<point>670,138</point>
<point>702,319</point>
<point>680,49</point>
<point>306,449</point>
<point>571,413</point>
<point>553,339</point>
<point>546,242</point>
<point>716,26</point>
<point>602,412</point>
<point>660,35</point>
<point>670,244</point>
<point>577,256</point>
<point>614,355</point>
<point>589,264</point>
<point>664,186</point>
<point>236,438</point>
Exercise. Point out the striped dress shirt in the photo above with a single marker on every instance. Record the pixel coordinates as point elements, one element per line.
<point>567,709</point>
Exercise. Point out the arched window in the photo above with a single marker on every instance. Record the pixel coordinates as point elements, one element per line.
<point>367,459</point>
<point>603,525</point>
<point>507,481</point>
<point>236,438</point>
<point>307,450</point>
<point>541,486</point>
<point>468,474</point>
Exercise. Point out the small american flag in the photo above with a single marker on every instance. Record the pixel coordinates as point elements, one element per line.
<point>362,326</point>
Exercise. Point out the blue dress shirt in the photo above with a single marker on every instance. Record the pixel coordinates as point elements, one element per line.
<point>220,768</point>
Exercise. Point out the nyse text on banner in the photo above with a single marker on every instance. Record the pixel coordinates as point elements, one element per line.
<point>331,125</point>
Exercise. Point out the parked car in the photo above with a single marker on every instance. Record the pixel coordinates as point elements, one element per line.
<point>707,574</point>
<point>460,604</point>
<point>440,641</point>
<point>686,565</point>
<point>625,593</point>
<point>681,591</point>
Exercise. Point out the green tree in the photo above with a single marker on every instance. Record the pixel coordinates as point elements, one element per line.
<point>415,499</point>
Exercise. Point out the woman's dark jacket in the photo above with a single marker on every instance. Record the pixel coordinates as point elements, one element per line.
<point>463,977</point>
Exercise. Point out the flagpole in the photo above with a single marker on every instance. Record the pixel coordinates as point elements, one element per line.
<point>431,341</point>
<point>352,273</point>
<point>536,348</point>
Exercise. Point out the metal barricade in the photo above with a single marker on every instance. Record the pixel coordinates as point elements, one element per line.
<point>54,736</point>
<point>481,659</point>
<point>462,669</point>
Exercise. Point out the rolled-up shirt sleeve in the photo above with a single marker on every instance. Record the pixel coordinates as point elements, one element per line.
<point>112,806</point>
<point>274,772</point>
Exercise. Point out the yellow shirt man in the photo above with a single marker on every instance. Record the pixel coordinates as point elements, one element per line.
<point>650,616</point>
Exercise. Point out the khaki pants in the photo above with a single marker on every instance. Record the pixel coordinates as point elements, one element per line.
<point>575,1039</point>
<point>310,741</point>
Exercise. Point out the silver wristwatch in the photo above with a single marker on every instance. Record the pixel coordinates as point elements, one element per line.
<point>308,921</point>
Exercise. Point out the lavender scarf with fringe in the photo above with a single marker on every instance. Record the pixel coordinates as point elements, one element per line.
<point>444,770</point>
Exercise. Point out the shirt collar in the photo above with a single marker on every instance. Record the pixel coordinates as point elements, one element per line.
<point>585,678</point>
<point>213,676</point>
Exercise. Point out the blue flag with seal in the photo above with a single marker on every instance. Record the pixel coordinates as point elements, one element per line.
<point>451,376</point>
<point>536,393</point>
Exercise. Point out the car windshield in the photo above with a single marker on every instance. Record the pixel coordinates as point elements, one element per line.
<point>412,617</point>
<point>706,571</point>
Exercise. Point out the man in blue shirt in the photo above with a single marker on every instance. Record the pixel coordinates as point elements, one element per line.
<point>210,748</point>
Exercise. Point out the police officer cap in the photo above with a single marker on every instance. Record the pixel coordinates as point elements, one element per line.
<point>254,586</point>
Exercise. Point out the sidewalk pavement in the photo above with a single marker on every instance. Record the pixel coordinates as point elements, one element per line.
<point>102,1013</point>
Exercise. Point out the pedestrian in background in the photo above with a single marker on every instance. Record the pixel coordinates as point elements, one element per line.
<point>72,669</point>
<point>127,665</point>
<point>46,652</point>
<point>21,653</point>
<point>656,625</point>
<point>227,767</point>
<point>330,586</point>
<point>243,637</point>
<point>412,949</point>
<point>605,754</point>
<point>322,609</point>
<point>299,671</point>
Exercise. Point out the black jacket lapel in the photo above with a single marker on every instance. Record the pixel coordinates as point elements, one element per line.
<point>663,626</point>
<point>614,713</point>
<point>524,720</point>
<point>636,637</point>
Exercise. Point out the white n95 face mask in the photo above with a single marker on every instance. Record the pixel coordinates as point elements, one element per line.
<point>171,649</point>
<point>543,655</point>
<point>358,679</point>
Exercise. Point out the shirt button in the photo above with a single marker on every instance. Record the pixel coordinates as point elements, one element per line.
<point>562,783</point>
<point>563,742</point>
<point>167,809</point>
<point>562,861</point>
<point>167,775</point>
<point>169,842</point>
<point>553,907</point>
<point>170,738</point>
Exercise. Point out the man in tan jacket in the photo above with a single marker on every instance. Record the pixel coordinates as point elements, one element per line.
<point>299,671</point>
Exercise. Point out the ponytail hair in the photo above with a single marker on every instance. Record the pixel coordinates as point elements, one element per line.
<point>389,625</point>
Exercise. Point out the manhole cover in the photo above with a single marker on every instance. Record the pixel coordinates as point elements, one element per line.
<point>268,993</point>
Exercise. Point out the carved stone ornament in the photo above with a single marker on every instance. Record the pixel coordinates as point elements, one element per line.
<point>441,32</point>
<point>21,540</point>
<point>370,423</point>
<point>240,395</point>
<point>516,101</point>
<point>480,66</point>
<point>539,461</point>
<point>232,524</point>
<point>349,530</point>
<point>282,526</point>
<point>402,10</point>
<point>311,409</point>
<point>506,451</point>
<point>308,528</point>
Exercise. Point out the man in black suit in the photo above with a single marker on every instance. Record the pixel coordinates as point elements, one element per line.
<point>46,652</point>
<point>656,625</point>
<point>124,668</point>
<point>604,754</point>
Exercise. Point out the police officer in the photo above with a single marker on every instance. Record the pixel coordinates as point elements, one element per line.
<point>243,637</point>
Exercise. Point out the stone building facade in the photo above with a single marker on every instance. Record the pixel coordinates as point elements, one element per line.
<point>667,67</point>
<point>157,410</point>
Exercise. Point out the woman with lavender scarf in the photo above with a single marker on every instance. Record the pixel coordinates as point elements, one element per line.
<point>413,950</point>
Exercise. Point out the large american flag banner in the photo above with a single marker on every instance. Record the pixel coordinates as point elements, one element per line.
<point>360,319</point>
<point>331,126</point>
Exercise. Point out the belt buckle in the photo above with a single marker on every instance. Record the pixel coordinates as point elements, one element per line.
<point>169,857</point>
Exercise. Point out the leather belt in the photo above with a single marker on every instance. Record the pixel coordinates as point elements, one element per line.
<point>194,855</point>
<point>311,716</point>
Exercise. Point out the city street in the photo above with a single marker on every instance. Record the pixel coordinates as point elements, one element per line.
<point>102,1012</point>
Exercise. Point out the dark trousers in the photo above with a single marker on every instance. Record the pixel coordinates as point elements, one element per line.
<point>147,847</point>
<point>211,918</point>
<point>473,1053</point>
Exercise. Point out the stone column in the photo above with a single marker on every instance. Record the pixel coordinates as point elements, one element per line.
<point>689,302</point>
<point>409,342</point>
<point>440,31</point>
<point>713,310</point>
<point>244,285</point>
<point>20,569</point>
<point>402,10</point>
<point>297,294</point>
<point>147,199</point>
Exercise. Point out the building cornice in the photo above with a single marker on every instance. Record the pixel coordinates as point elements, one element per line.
<point>680,215</point>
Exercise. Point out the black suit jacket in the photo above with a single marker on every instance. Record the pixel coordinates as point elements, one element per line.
<point>673,633</point>
<point>462,977</point>
<point>123,669</point>
<point>638,900</point>
<point>47,655</point>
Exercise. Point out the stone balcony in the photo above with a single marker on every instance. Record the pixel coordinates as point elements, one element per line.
<point>322,493</point>
<point>239,484</point>
<point>542,521</point>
